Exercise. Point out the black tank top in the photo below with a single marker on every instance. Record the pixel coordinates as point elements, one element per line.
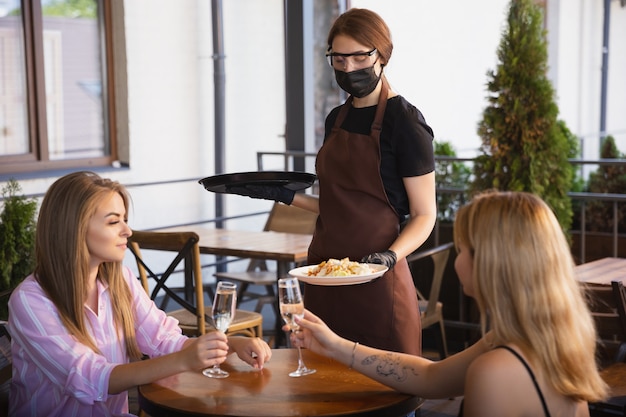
<point>532,376</point>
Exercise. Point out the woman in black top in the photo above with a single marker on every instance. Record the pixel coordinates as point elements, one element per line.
<point>538,357</point>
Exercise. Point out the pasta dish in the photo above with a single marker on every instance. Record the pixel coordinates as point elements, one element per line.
<point>339,268</point>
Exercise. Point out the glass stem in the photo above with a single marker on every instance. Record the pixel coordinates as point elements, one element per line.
<point>300,362</point>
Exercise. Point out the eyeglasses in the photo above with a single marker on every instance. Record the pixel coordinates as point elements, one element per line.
<point>336,59</point>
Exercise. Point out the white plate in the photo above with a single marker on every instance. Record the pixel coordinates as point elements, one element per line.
<point>302,274</point>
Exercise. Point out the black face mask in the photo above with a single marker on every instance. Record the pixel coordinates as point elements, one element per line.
<point>358,83</point>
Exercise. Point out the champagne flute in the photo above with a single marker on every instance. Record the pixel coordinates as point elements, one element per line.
<point>291,306</point>
<point>223,311</point>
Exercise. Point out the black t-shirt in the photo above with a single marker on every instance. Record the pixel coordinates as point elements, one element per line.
<point>406,144</point>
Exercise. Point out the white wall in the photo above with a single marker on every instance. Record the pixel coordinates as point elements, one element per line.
<point>442,51</point>
<point>171,101</point>
<point>255,96</point>
<point>578,32</point>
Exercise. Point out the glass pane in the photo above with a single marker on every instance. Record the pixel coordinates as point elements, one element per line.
<point>73,77</point>
<point>13,107</point>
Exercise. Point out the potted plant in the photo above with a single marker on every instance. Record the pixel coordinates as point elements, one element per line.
<point>17,241</point>
<point>524,146</point>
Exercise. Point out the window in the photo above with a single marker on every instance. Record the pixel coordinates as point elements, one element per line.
<point>55,87</point>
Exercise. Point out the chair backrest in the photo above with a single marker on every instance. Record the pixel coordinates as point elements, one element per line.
<point>290,219</point>
<point>619,295</point>
<point>439,256</point>
<point>185,246</point>
<point>286,219</point>
<point>602,304</point>
<point>614,374</point>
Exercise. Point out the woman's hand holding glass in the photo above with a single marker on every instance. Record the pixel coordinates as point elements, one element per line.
<point>316,336</point>
<point>204,351</point>
<point>224,306</point>
<point>292,307</point>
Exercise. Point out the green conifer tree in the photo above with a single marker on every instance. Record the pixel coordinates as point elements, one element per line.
<point>524,147</point>
<point>17,239</point>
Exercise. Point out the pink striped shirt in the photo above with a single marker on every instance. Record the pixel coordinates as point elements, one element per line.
<point>54,375</point>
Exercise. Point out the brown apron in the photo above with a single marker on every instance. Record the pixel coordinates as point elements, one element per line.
<point>356,219</point>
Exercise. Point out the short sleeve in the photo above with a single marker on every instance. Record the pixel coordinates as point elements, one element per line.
<point>412,141</point>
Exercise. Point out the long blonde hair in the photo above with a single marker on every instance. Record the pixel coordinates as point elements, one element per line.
<point>525,286</point>
<point>62,256</point>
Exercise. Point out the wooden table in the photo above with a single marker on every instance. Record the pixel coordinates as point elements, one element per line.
<point>602,271</point>
<point>334,390</point>
<point>284,248</point>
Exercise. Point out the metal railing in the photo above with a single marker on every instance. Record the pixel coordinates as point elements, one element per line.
<point>583,198</point>
<point>288,158</point>
<point>287,162</point>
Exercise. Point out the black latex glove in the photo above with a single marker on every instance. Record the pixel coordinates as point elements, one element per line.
<point>387,258</point>
<point>264,192</point>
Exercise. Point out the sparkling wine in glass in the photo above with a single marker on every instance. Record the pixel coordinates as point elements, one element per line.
<point>291,306</point>
<point>223,310</point>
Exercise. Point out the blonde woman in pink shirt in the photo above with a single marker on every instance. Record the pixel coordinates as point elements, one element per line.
<point>81,322</point>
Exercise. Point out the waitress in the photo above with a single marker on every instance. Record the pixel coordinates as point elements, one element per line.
<point>375,170</point>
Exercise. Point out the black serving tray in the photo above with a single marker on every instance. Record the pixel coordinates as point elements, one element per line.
<point>291,180</point>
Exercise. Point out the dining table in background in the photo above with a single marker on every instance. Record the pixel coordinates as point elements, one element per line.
<point>334,390</point>
<point>602,271</point>
<point>284,248</point>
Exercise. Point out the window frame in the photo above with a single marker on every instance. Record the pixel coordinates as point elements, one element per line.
<point>37,159</point>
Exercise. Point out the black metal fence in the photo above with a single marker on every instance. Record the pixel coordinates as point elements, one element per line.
<point>286,161</point>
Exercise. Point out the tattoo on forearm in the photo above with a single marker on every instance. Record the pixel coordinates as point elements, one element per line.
<point>389,365</point>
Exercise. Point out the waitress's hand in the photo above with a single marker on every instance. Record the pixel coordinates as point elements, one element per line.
<point>387,258</point>
<point>264,192</point>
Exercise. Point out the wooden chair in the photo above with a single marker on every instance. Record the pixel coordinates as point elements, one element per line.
<point>282,218</point>
<point>431,309</point>
<point>615,374</point>
<point>192,318</point>
<point>601,300</point>
<point>619,294</point>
